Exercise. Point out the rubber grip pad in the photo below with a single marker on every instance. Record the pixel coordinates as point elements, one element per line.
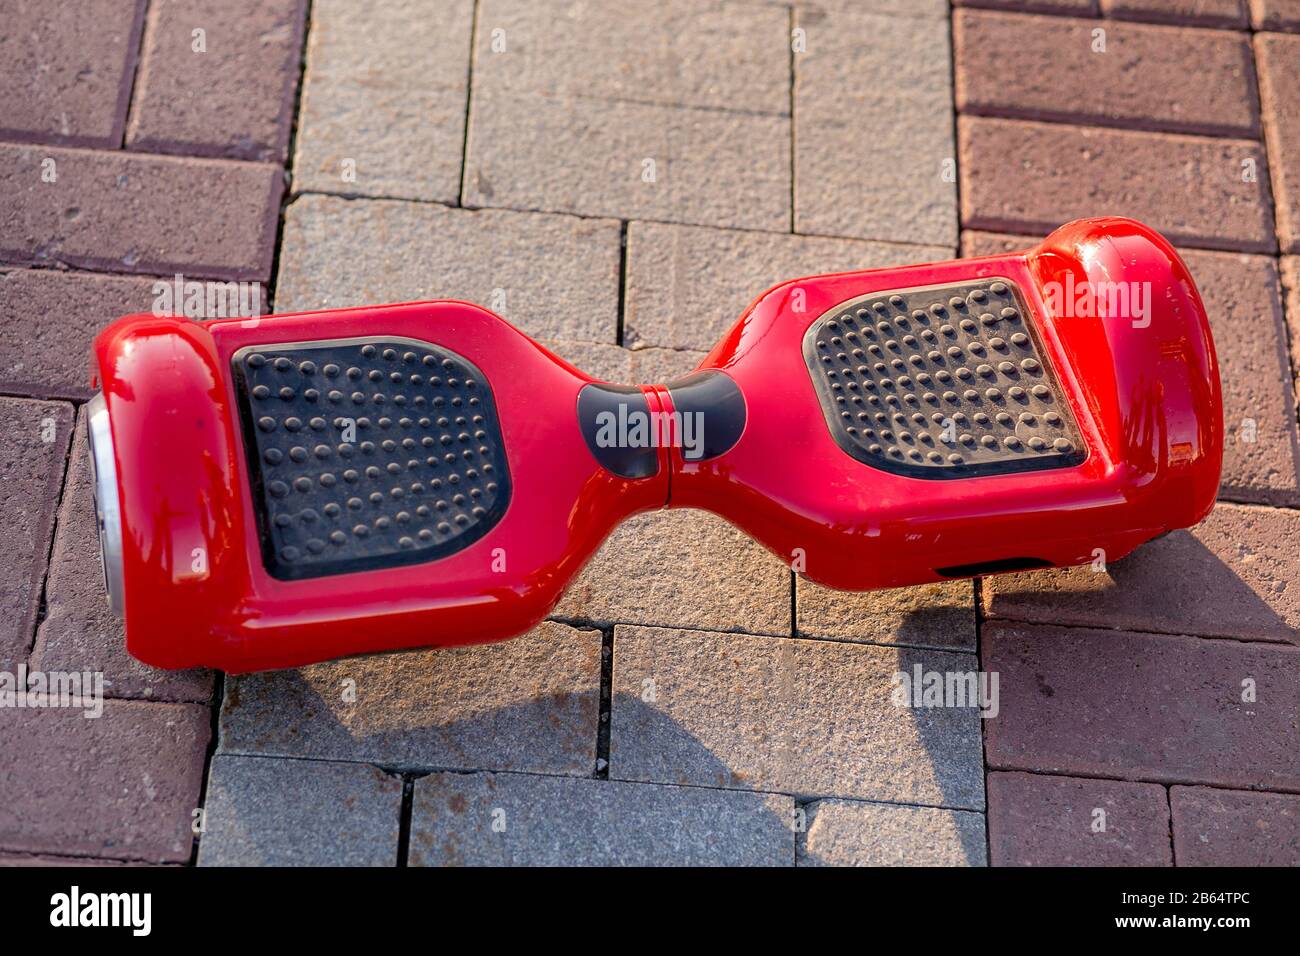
<point>368,453</point>
<point>942,381</point>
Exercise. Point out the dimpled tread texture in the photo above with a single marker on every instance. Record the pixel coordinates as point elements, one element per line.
<point>941,382</point>
<point>423,476</point>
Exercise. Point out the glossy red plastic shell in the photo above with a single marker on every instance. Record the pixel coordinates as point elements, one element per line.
<point>1144,391</point>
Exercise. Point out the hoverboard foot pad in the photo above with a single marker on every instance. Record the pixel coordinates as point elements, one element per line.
<point>368,453</point>
<point>944,381</point>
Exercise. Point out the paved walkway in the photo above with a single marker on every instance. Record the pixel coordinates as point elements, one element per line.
<point>620,180</point>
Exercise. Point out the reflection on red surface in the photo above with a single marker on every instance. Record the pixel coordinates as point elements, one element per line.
<point>1146,397</point>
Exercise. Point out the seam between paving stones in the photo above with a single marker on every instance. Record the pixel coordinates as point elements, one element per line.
<point>1174,18</point>
<point>72,858</point>
<point>1104,18</point>
<point>404,815</point>
<point>1124,124</point>
<point>363,197</point>
<point>121,153</point>
<point>798,796</point>
<point>792,24</point>
<point>136,60</point>
<point>976,587</point>
<point>976,583</point>
<point>214,718</point>
<point>469,97</point>
<point>982,617</point>
<point>1287,341</point>
<point>637,101</point>
<point>1169,806</point>
<point>42,607</point>
<point>286,169</point>
<point>605,704</point>
<point>1239,249</point>
<point>620,321</point>
<point>1142,632</point>
<point>601,625</point>
<point>1167,781</point>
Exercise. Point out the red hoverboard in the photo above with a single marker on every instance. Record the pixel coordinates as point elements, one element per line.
<point>284,490</point>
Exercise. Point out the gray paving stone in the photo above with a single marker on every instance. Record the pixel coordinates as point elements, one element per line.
<point>704,573</point>
<point>803,717</point>
<point>514,820</point>
<point>556,277</point>
<point>66,70</point>
<point>613,363</point>
<point>874,148</point>
<point>128,212</point>
<point>722,56</point>
<point>664,365</point>
<point>607,363</point>
<point>849,833</point>
<point>48,321</point>
<point>80,632</point>
<point>268,812</point>
<point>33,452</point>
<point>928,615</point>
<point>630,160</point>
<point>531,703</point>
<point>235,96</point>
<point>687,285</point>
<point>386,87</point>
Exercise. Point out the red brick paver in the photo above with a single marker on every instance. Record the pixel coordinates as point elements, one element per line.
<point>1275,15</point>
<point>123,785</point>
<point>131,213</point>
<point>1233,828</point>
<point>1234,575</point>
<point>33,450</point>
<point>80,632</point>
<point>48,320</point>
<point>1143,706</point>
<point>1131,74</point>
<point>66,69</point>
<point>225,91</point>
<point>1019,176</point>
<point>1041,820</point>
